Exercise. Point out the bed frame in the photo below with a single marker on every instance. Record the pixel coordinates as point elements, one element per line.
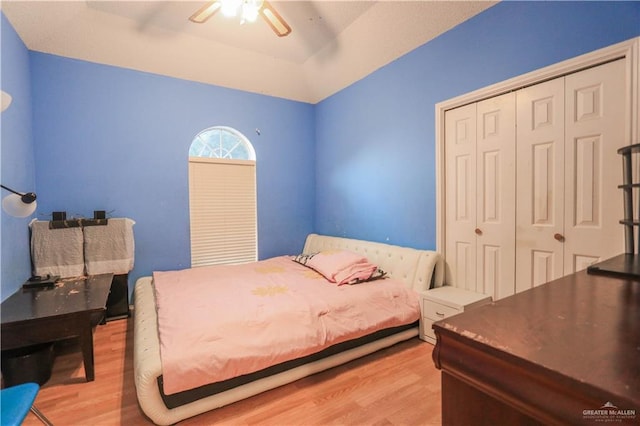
<point>418,269</point>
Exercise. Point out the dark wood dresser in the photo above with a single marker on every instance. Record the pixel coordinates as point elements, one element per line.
<point>566,352</point>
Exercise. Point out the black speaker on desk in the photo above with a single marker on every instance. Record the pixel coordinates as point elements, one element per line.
<point>118,301</point>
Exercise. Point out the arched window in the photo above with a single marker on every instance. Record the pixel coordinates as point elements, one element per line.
<point>222,198</point>
<point>222,142</point>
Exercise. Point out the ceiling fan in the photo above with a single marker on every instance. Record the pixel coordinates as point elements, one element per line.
<point>248,10</point>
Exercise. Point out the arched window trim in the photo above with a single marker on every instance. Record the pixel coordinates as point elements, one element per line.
<point>242,139</point>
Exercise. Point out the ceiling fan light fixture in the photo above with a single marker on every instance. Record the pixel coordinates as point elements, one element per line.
<point>251,9</point>
<point>230,8</point>
<point>248,10</point>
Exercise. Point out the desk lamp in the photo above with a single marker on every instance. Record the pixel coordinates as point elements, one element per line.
<point>18,204</point>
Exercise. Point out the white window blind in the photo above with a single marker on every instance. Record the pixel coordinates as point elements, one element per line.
<point>222,203</point>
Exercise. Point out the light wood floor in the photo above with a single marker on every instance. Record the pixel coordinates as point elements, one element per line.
<point>396,386</point>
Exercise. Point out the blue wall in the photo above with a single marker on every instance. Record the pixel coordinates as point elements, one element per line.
<point>17,157</point>
<point>112,139</point>
<point>375,140</point>
<point>359,164</point>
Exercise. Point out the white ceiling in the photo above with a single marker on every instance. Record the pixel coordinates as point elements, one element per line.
<point>333,43</point>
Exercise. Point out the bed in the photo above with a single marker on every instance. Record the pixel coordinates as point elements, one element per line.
<point>417,270</point>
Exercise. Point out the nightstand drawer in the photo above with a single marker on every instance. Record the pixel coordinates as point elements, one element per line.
<point>437,311</point>
<point>427,332</point>
<point>443,302</point>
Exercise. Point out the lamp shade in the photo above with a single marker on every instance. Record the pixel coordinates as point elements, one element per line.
<point>5,100</point>
<point>14,206</point>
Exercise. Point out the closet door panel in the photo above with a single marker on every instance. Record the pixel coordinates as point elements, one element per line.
<point>587,173</point>
<point>594,130</point>
<point>540,184</point>
<point>460,195</point>
<point>496,174</point>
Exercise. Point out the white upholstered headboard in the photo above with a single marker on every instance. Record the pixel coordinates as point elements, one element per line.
<point>418,269</point>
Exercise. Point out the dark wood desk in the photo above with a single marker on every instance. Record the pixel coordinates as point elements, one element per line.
<point>70,309</point>
<point>560,353</point>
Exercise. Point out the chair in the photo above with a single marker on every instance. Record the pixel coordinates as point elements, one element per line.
<point>17,401</point>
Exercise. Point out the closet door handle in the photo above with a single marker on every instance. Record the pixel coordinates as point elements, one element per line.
<point>478,231</point>
<point>559,237</point>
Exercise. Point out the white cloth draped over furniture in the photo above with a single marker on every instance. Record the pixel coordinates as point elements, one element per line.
<point>109,248</point>
<point>91,250</point>
<point>56,251</point>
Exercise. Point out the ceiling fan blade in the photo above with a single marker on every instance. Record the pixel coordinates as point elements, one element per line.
<point>275,21</point>
<point>206,12</point>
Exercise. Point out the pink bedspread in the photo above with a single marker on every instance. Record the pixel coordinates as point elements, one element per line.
<point>219,322</point>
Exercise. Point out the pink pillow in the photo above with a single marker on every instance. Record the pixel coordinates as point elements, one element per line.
<point>339,266</point>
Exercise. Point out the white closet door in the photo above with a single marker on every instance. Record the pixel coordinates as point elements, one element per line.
<point>460,195</point>
<point>495,212</point>
<point>594,130</point>
<point>540,180</point>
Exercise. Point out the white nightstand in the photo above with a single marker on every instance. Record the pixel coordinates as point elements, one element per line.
<point>443,302</point>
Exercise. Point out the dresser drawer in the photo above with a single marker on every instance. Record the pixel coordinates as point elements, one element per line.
<point>437,311</point>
